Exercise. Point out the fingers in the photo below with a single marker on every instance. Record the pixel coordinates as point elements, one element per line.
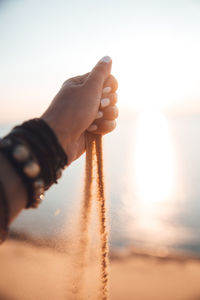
<point>100,73</point>
<point>110,85</point>
<point>105,126</point>
<point>109,100</point>
<point>100,77</point>
<point>109,113</point>
<point>105,121</point>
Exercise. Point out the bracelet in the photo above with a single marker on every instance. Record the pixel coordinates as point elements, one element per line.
<point>46,146</point>
<point>35,153</point>
<point>27,168</point>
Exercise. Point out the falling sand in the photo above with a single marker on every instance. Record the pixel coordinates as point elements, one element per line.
<point>102,216</point>
<point>94,187</point>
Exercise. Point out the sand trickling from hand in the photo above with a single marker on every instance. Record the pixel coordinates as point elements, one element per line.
<point>94,188</point>
<point>102,216</point>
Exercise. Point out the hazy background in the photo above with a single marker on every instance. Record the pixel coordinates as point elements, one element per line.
<point>151,160</point>
<point>154,45</point>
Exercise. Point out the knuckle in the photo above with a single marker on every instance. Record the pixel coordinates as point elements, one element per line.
<point>115,84</point>
<point>107,126</point>
<point>113,98</point>
<point>111,113</point>
<point>112,81</point>
<point>114,124</point>
<point>116,112</point>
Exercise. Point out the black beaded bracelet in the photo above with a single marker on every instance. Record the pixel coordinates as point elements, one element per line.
<point>42,152</point>
<point>35,153</point>
<point>26,165</point>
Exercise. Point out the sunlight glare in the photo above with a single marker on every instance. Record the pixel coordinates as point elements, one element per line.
<point>153,158</point>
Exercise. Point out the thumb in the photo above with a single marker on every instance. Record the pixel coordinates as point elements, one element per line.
<point>100,73</point>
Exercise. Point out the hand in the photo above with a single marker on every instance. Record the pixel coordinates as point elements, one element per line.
<point>78,107</point>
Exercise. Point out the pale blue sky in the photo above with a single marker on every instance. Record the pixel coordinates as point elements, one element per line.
<point>155,46</point>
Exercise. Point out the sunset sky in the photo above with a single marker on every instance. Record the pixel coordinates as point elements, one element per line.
<point>155,47</point>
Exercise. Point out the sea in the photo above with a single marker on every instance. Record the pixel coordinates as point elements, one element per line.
<point>152,180</point>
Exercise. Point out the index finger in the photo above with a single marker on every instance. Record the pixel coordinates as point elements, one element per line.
<point>111,82</point>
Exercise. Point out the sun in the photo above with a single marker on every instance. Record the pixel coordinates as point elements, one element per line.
<point>154,158</point>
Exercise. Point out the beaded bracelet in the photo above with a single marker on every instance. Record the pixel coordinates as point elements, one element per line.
<point>27,167</point>
<point>34,151</point>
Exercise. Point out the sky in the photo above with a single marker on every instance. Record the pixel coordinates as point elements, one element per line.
<point>155,47</point>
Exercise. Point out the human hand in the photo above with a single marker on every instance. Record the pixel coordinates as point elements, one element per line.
<point>84,103</point>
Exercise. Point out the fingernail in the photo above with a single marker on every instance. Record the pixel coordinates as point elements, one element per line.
<point>107,89</point>
<point>99,114</point>
<point>105,59</point>
<point>93,127</point>
<point>105,102</point>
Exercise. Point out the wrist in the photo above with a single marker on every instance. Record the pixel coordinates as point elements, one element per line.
<point>72,145</point>
<point>63,136</point>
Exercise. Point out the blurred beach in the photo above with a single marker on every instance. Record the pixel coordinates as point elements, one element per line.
<point>153,199</point>
<point>30,272</point>
<point>168,219</point>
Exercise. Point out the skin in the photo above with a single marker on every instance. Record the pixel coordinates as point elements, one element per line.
<point>72,112</point>
<point>75,107</point>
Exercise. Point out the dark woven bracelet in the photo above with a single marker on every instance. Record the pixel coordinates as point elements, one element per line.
<point>45,158</point>
<point>46,134</point>
<point>4,214</point>
<point>46,146</point>
<point>6,148</point>
<point>27,167</point>
<point>44,152</point>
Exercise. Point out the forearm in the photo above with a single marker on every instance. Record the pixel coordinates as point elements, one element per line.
<point>15,190</point>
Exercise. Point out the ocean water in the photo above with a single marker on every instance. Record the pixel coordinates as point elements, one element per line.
<point>152,175</point>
